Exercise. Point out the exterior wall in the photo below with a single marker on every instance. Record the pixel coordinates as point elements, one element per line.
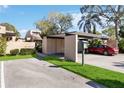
<point>55,46</point>
<point>44,45</point>
<point>112,43</point>
<point>52,45</point>
<point>18,45</point>
<point>60,46</point>
<point>13,38</point>
<point>79,46</point>
<point>2,30</point>
<point>71,48</point>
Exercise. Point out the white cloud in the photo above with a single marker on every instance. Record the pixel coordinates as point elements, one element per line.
<point>76,18</point>
<point>3,7</point>
<point>23,32</point>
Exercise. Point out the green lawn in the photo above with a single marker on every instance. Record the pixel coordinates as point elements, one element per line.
<point>105,77</point>
<point>8,57</point>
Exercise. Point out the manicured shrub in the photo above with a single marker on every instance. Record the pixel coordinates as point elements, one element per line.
<point>26,51</point>
<point>95,42</point>
<point>14,52</point>
<point>38,46</point>
<point>121,45</point>
<point>2,45</point>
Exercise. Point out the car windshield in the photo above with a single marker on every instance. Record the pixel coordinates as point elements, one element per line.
<point>100,46</point>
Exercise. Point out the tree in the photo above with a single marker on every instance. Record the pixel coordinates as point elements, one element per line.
<point>121,32</point>
<point>109,32</point>
<point>98,33</point>
<point>2,45</point>
<point>89,22</point>
<point>121,45</point>
<point>62,21</point>
<point>11,27</point>
<point>95,42</point>
<point>112,13</point>
<point>56,23</point>
<point>46,27</point>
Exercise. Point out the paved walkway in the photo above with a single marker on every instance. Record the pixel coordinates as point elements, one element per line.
<point>115,63</point>
<point>32,73</point>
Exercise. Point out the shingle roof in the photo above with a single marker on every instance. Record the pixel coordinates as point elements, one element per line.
<point>34,35</point>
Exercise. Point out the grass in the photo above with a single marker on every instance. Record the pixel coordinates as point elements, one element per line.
<point>102,76</point>
<point>9,57</point>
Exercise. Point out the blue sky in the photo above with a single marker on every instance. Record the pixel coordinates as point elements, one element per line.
<point>24,17</point>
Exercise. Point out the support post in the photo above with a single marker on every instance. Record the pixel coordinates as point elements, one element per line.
<point>82,53</point>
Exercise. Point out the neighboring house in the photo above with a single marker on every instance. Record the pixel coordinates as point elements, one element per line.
<point>67,44</point>
<point>33,35</point>
<point>10,35</point>
<point>13,42</point>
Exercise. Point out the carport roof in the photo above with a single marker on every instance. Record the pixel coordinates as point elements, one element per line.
<point>80,34</point>
<point>56,36</point>
<point>87,35</point>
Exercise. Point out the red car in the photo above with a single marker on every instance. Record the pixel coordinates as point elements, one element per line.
<point>103,49</point>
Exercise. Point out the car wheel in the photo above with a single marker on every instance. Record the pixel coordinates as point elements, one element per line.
<point>105,53</point>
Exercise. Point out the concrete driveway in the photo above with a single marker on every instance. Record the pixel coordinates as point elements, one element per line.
<point>33,73</point>
<point>115,63</point>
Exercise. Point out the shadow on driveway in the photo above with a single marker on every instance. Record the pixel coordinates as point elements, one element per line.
<point>56,66</point>
<point>119,64</point>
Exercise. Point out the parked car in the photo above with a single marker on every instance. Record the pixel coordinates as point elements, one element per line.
<point>103,49</point>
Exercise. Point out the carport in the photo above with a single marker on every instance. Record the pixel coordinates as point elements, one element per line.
<point>68,44</point>
<point>53,44</point>
<point>73,43</point>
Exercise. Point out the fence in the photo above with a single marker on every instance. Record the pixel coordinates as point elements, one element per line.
<point>18,45</point>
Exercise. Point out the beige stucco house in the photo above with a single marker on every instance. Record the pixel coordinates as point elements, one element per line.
<point>10,35</point>
<point>67,44</point>
<point>33,35</point>
<point>13,42</point>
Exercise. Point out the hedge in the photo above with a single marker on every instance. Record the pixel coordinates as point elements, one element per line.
<point>14,52</point>
<point>26,51</point>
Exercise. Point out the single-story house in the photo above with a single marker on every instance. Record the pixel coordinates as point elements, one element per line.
<point>67,43</point>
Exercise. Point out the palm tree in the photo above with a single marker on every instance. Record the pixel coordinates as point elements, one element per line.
<point>89,22</point>
<point>112,13</point>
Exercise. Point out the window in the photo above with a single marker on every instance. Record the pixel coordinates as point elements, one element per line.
<point>9,38</point>
<point>95,46</point>
<point>100,46</point>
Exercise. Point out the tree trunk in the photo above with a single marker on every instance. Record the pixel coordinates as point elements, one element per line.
<point>116,32</point>
<point>94,29</point>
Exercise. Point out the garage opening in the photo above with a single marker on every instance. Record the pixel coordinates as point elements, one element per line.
<point>79,44</point>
